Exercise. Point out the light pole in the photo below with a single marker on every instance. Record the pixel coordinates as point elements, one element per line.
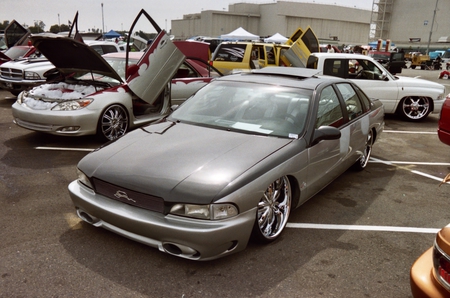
<point>431,30</point>
<point>103,23</point>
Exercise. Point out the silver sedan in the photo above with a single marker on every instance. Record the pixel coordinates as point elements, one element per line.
<point>230,164</point>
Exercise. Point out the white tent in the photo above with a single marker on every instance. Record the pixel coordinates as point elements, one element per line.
<point>240,34</point>
<point>277,37</point>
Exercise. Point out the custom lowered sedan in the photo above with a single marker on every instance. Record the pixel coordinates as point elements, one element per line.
<point>230,163</point>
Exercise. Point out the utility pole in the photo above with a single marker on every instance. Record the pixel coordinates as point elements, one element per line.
<point>103,23</point>
<point>431,31</point>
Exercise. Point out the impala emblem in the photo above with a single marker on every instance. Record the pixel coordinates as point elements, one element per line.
<point>120,194</point>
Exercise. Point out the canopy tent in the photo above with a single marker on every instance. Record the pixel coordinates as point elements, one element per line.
<point>112,34</point>
<point>277,37</point>
<point>240,34</point>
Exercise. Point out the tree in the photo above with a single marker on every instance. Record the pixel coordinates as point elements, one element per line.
<point>4,25</point>
<point>59,28</point>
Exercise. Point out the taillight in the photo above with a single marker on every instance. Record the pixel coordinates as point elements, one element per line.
<point>441,263</point>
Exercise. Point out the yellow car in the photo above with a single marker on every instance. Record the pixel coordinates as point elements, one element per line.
<point>430,273</point>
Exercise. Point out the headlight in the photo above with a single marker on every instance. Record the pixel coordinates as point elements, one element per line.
<point>84,179</point>
<point>30,75</point>
<point>72,105</point>
<point>212,211</point>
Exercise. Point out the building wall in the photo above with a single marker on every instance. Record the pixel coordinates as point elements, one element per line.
<point>413,18</point>
<point>282,17</point>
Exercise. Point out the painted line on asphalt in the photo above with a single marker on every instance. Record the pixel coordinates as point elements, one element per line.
<point>64,149</point>
<point>411,132</point>
<point>390,163</point>
<point>362,228</point>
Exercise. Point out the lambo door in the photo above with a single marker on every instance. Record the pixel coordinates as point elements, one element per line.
<point>16,34</point>
<point>156,67</point>
<point>301,48</point>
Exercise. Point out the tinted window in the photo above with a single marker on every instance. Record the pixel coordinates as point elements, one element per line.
<point>329,111</point>
<point>230,52</point>
<point>351,99</point>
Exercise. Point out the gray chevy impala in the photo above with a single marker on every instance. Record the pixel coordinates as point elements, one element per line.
<point>230,164</point>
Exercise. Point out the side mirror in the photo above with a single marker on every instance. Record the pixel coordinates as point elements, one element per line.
<point>131,70</point>
<point>326,133</point>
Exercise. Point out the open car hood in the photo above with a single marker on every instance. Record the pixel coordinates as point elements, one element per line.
<point>69,55</point>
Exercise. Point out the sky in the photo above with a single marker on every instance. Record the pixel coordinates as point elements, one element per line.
<point>119,14</point>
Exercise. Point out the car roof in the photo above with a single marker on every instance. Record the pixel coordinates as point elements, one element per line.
<point>286,76</point>
<point>342,56</point>
<point>132,55</point>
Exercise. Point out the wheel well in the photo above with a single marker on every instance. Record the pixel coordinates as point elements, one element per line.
<point>295,188</point>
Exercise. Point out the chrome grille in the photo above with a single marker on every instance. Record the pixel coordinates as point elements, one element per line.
<point>11,73</point>
<point>128,196</point>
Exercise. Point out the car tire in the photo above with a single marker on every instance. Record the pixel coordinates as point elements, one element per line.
<point>362,162</point>
<point>273,211</point>
<point>113,122</point>
<point>414,108</point>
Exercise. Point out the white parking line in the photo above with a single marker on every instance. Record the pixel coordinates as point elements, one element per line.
<point>361,228</point>
<point>411,132</point>
<point>63,149</point>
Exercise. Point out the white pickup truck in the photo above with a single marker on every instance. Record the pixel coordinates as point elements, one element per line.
<point>412,98</point>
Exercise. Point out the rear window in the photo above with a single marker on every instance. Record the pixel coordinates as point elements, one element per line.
<point>230,52</point>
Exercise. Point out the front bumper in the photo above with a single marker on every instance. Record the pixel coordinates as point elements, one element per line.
<point>422,280</point>
<point>73,123</point>
<point>15,86</point>
<point>183,237</point>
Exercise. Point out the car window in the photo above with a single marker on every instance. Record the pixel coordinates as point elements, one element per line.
<point>364,99</point>
<point>334,67</point>
<point>329,111</point>
<point>185,71</point>
<point>367,70</point>
<point>230,52</point>
<point>351,99</point>
<point>268,110</point>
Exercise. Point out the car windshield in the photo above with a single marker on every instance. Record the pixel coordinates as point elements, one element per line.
<point>248,107</point>
<point>16,52</point>
<point>118,64</point>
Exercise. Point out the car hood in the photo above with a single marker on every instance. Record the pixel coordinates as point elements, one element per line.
<point>418,82</point>
<point>180,162</point>
<point>70,55</point>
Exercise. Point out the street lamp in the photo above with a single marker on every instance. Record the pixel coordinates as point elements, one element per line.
<point>103,23</point>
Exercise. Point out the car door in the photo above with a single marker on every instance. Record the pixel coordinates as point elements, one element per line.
<point>325,157</point>
<point>157,66</point>
<point>376,82</point>
<point>15,34</point>
<point>300,50</point>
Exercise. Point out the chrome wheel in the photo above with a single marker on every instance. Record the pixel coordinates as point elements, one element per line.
<point>113,123</point>
<point>415,108</point>
<point>367,151</point>
<point>273,210</point>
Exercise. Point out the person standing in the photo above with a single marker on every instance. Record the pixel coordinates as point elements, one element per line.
<point>330,49</point>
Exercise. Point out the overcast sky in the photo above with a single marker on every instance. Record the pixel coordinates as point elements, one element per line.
<point>119,14</point>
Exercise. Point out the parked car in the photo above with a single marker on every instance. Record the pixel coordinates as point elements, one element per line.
<point>411,98</point>
<point>444,122</point>
<point>231,162</point>
<point>91,96</point>
<point>19,75</point>
<point>430,273</point>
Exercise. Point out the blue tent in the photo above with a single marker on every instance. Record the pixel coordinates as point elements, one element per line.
<point>112,34</point>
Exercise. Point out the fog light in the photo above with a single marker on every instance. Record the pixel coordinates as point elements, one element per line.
<point>69,128</point>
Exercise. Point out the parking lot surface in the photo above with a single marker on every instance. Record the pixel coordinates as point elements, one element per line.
<point>357,238</point>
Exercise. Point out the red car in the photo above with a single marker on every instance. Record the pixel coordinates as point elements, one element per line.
<point>430,273</point>
<point>444,122</point>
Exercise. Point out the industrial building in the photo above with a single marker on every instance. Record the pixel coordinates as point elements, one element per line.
<point>407,23</point>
